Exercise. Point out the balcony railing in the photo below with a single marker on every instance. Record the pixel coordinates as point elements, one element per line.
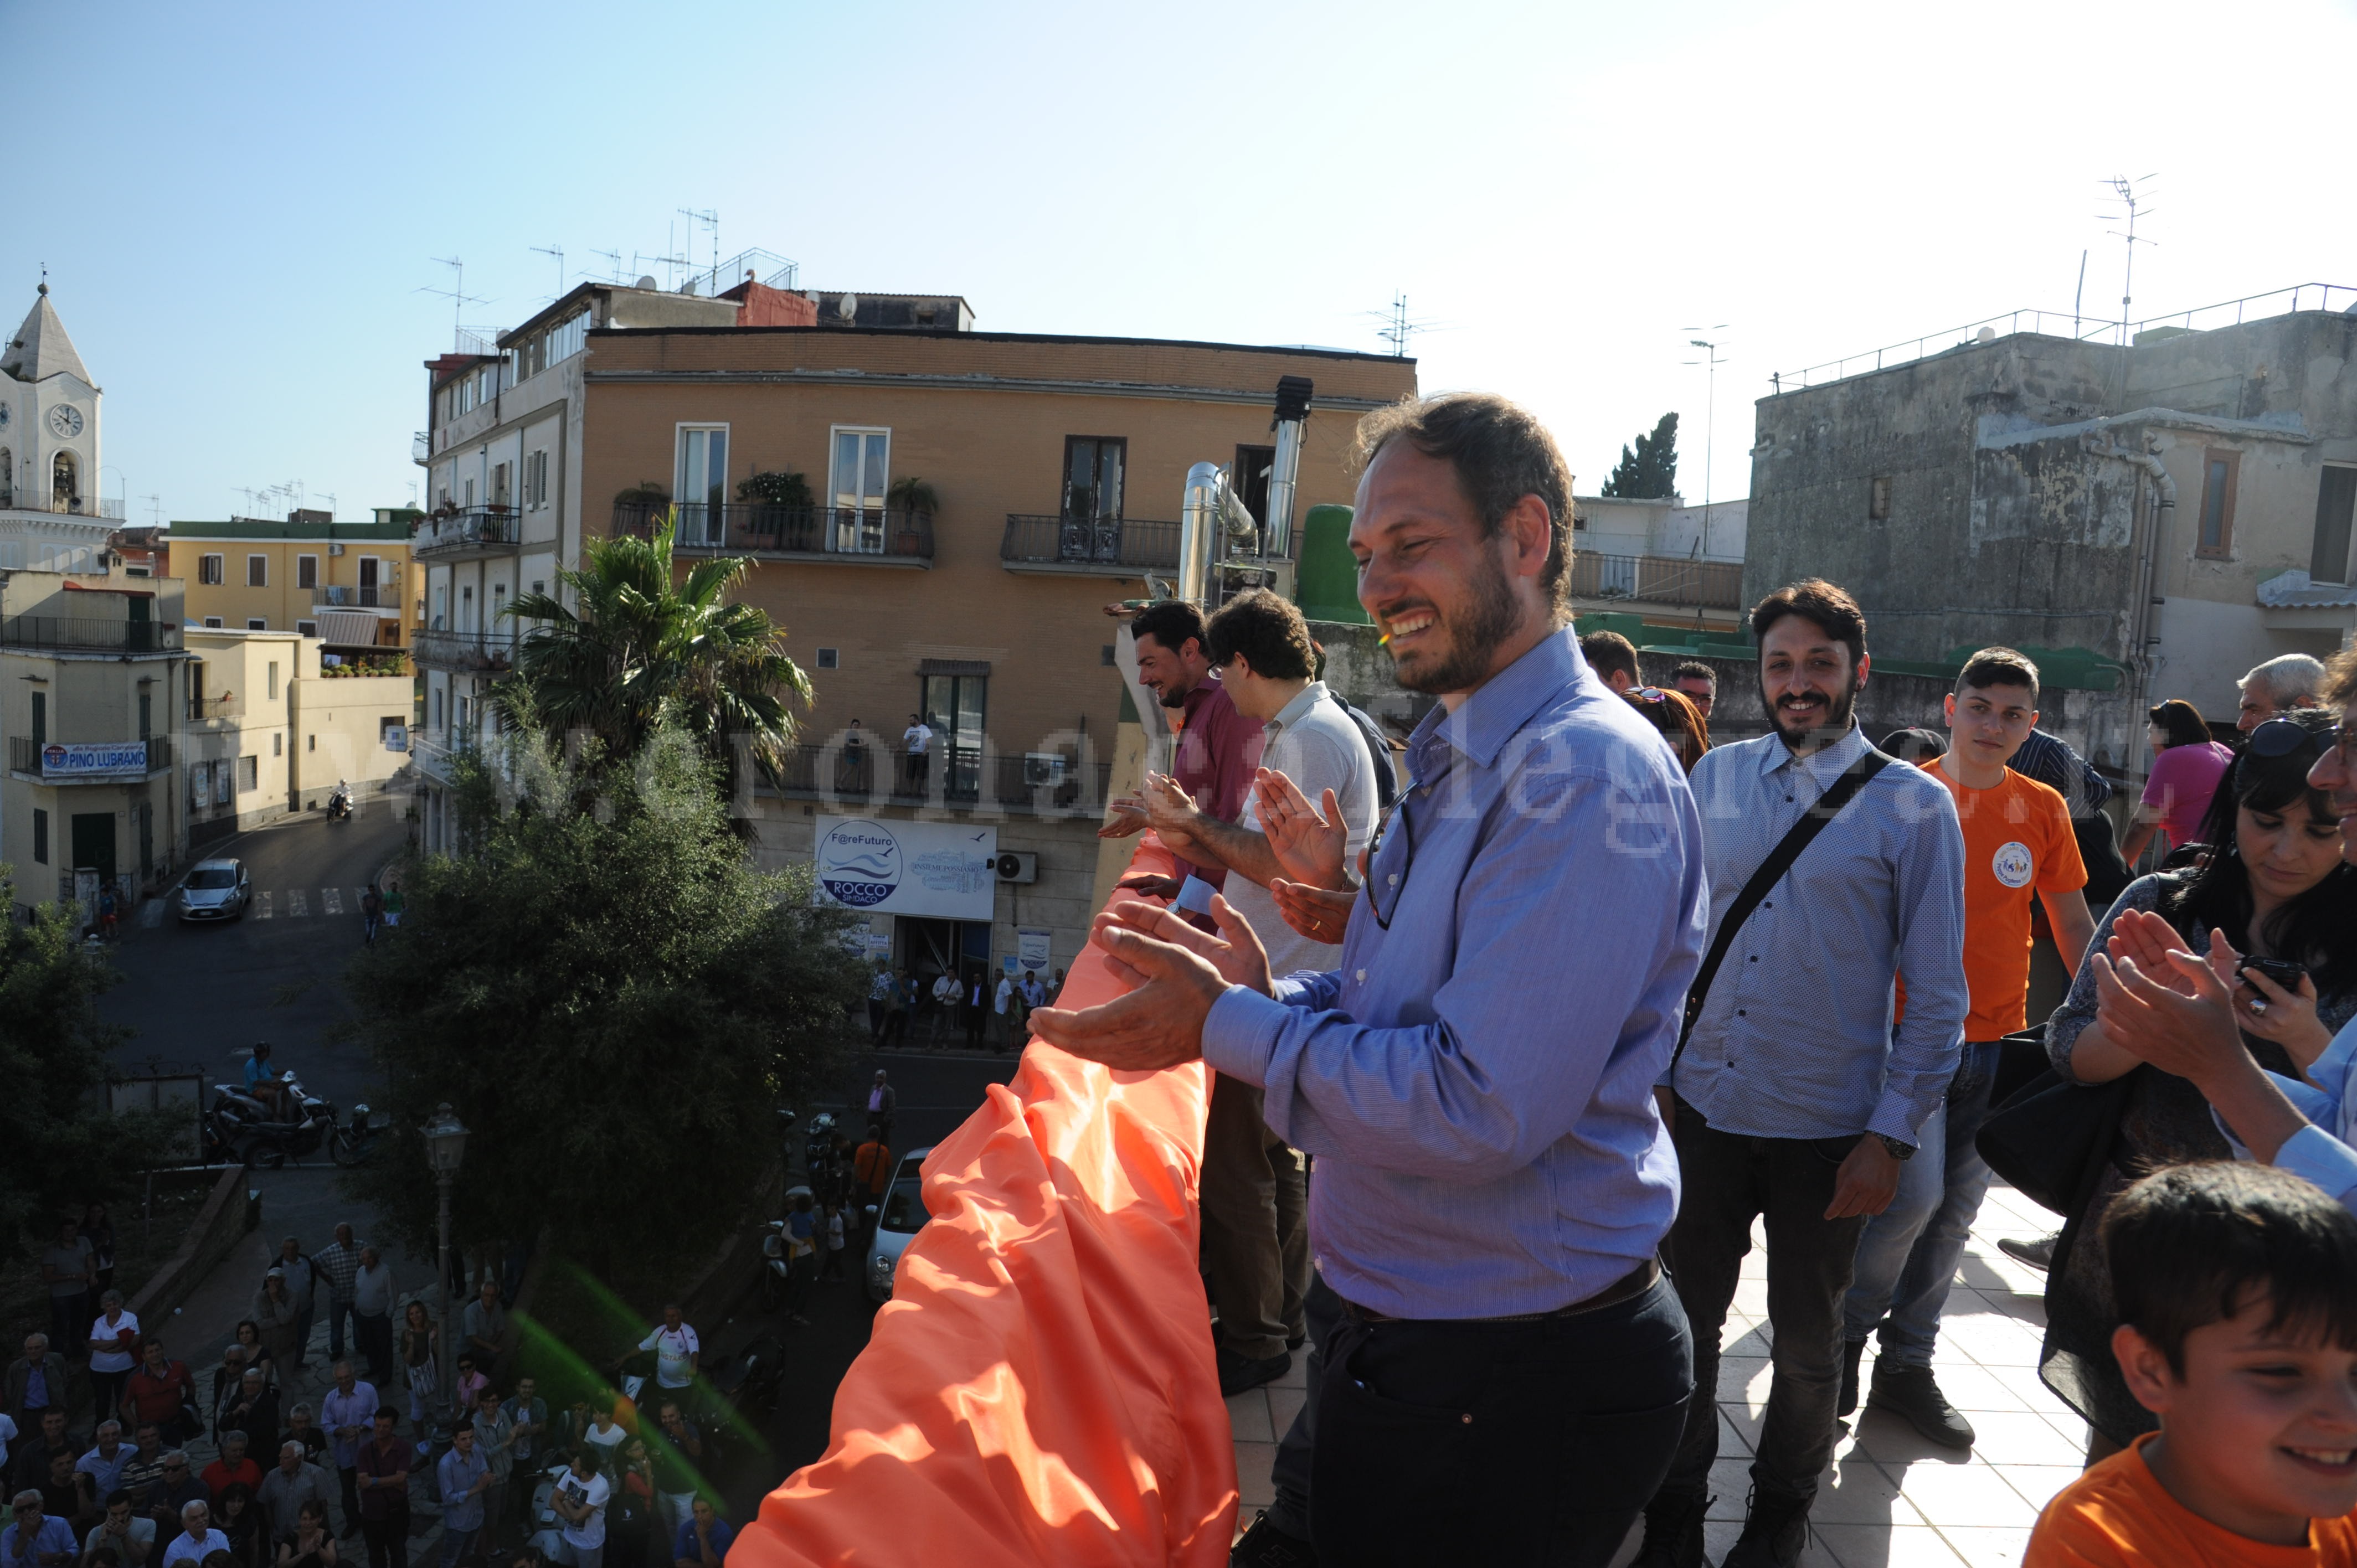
<point>955,775</point>
<point>365,596</point>
<point>24,756</point>
<point>1658,579</point>
<point>474,528</point>
<point>465,650</point>
<point>69,506</point>
<point>1116,546</point>
<point>764,528</point>
<point>89,634</point>
<point>203,708</point>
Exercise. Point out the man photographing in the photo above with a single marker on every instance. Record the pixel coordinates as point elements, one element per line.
<point>1511,1376</point>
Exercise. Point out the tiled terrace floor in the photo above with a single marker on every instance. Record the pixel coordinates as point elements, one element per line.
<point>1891,1499</point>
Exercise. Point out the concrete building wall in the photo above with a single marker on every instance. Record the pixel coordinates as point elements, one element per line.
<point>336,731</point>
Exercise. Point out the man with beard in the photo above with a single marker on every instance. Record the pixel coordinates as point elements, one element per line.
<point>1793,1097</point>
<point>1509,1376</point>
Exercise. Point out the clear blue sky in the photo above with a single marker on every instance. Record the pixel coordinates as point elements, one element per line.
<point>237,202</point>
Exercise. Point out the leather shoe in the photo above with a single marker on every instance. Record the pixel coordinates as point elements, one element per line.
<point>1912,1394</point>
<point>1266,1546</point>
<point>2038,1254</point>
<point>1237,1374</point>
<point>1852,1351</point>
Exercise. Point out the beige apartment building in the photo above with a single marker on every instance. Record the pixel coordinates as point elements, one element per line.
<point>349,584</point>
<point>91,682</point>
<point>271,730</point>
<point>937,519</point>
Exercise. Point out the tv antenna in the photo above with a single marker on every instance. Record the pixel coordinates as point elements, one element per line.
<point>709,219</point>
<point>154,510</point>
<point>329,497</point>
<point>2132,194</point>
<point>613,263</point>
<point>1711,358</point>
<point>558,251</point>
<point>1398,326</point>
<point>456,294</point>
<point>670,263</point>
<point>252,505</point>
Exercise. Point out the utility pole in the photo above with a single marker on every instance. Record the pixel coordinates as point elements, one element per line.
<point>1710,417</point>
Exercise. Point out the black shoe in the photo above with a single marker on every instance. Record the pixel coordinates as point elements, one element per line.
<point>1912,1394</point>
<point>1775,1531</point>
<point>1266,1546</point>
<point>1294,1340</point>
<point>1674,1532</point>
<point>1237,1374</point>
<point>1852,1350</point>
<point>2038,1254</point>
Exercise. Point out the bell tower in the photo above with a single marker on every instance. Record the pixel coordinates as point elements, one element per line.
<point>49,419</point>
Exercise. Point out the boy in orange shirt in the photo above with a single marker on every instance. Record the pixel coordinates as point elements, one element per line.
<point>2018,846</point>
<point>2237,1293</point>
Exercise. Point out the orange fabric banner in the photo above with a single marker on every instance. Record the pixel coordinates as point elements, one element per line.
<point>1041,1389</point>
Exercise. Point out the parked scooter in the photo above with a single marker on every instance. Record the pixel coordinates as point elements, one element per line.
<point>242,1128</point>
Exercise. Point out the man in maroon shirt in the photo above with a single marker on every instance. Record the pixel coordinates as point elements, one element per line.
<point>382,1477</point>
<point>1218,750</point>
<point>162,1393</point>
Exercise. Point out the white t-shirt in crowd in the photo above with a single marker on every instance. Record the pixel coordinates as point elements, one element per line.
<point>918,737</point>
<point>7,1435</point>
<point>590,1533</point>
<point>671,1350</point>
<point>113,1360</point>
<point>143,1531</point>
<point>835,1231</point>
<point>1006,992</point>
<point>1314,743</point>
<point>183,1549</point>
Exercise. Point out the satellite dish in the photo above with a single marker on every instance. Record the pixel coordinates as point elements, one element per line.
<point>647,281</point>
<point>847,307</point>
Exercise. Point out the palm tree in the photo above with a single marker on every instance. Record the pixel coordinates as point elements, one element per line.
<point>641,648</point>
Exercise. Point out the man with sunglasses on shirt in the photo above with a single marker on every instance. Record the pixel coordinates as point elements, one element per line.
<point>1509,1377</point>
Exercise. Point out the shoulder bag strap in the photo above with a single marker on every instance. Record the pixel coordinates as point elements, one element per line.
<point>1771,871</point>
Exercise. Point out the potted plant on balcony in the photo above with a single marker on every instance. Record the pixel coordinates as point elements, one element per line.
<point>912,495</point>
<point>782,506</point>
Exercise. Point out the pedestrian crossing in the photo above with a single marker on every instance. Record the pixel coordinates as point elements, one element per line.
<point>287,903</point>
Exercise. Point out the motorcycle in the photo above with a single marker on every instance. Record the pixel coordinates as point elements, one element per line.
<point>819,1162</point>
<point>242,1127</point>
<point>340,806</point>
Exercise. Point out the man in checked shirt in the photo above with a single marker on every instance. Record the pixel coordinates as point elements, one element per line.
<point>1795,1098</point>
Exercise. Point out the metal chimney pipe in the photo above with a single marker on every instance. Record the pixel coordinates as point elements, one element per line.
<point>1198,530</point>
<point>1292,416</point>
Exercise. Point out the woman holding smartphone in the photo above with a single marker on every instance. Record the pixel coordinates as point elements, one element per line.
<point>2273,880</point>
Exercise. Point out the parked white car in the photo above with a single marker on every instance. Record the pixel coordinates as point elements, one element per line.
<point>899,1218</point>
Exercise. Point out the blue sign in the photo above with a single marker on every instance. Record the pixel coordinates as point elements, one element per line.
<point>95,759</point>
<point>943,870</point>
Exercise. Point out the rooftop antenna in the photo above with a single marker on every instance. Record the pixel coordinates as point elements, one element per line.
<point>613,263</point>
<point>251,504</point>
<point>1398,326</point>
<point>1710,415</point>
<point>329,496</point>
<point>558,251</point>
<point>456,294</point>
<point>154,510</point>
<point>2132,194</point>
<point>710,219</point>
<point>2080,293</point>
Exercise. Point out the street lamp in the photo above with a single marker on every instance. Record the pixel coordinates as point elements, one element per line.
<point>446,1146</point>
<point>1710,418</point>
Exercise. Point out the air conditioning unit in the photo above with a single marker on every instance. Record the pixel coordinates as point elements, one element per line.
<point>335,550</point>
<point>1013,868</point>
<point>1043,768</point>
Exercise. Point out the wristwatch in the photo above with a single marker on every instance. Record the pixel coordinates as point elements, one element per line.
<point>1900,1151</point>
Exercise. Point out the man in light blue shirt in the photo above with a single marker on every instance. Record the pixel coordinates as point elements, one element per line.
<point>464,1477</point>
<point>1795,1099</point>
<point>1474,1080</point>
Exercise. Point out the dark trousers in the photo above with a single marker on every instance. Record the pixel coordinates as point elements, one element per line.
<point>894,1031</point>
<point>70,1317</point>
<point>976,1019</point>
<point>1526,1443</point>
<point>1241,1251</point>
<point>338,1311</point>
<point>1289,1472</point>
<point>373,1336</point>
<point>875,1020</point>
<point>106,1397</point>
<point>350,1479</point>
<point>1729,1180</point>
<point>388,1538</point>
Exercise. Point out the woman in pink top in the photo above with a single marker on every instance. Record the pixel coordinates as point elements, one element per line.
<point>2186,768</point>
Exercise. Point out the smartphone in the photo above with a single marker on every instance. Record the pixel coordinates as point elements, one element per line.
<point>2282,971</point>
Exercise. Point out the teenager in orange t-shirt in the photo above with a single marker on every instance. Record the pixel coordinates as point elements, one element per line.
<point>2237,1293</point>
<point>2017,846</point>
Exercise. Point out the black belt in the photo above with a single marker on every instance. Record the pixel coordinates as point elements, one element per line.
<point>1635,1283</point>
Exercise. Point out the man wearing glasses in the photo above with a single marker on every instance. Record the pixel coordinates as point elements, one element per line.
<point>1509,1377</point>
<point>34,1539</point>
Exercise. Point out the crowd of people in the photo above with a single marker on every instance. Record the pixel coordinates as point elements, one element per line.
<point>1596,998</point>
<point>301,1467</point>
<point>904,1010</point>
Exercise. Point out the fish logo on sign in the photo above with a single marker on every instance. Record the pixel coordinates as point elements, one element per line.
<point>859,862</point>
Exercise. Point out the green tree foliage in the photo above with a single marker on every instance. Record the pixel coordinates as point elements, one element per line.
<point>610,997</point>
<point>1651,472</point>
<point>643,647</point>
<point>58,1148</point>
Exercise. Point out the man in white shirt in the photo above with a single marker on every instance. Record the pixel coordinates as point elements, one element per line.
<point>677,1350</point>
<point>1254,1200</point>
<point>197,1538</point>
<point>579,1500</point>
<point>945,1000</point>
<point>1003,1004</point>
<point>917,740</point>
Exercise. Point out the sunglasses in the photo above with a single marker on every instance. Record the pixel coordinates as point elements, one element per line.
<point>1386,883</point>
<point>2281,738</point>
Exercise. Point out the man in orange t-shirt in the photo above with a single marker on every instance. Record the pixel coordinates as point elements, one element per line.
<point>2234,1284</point>
<point>2017,846</point>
